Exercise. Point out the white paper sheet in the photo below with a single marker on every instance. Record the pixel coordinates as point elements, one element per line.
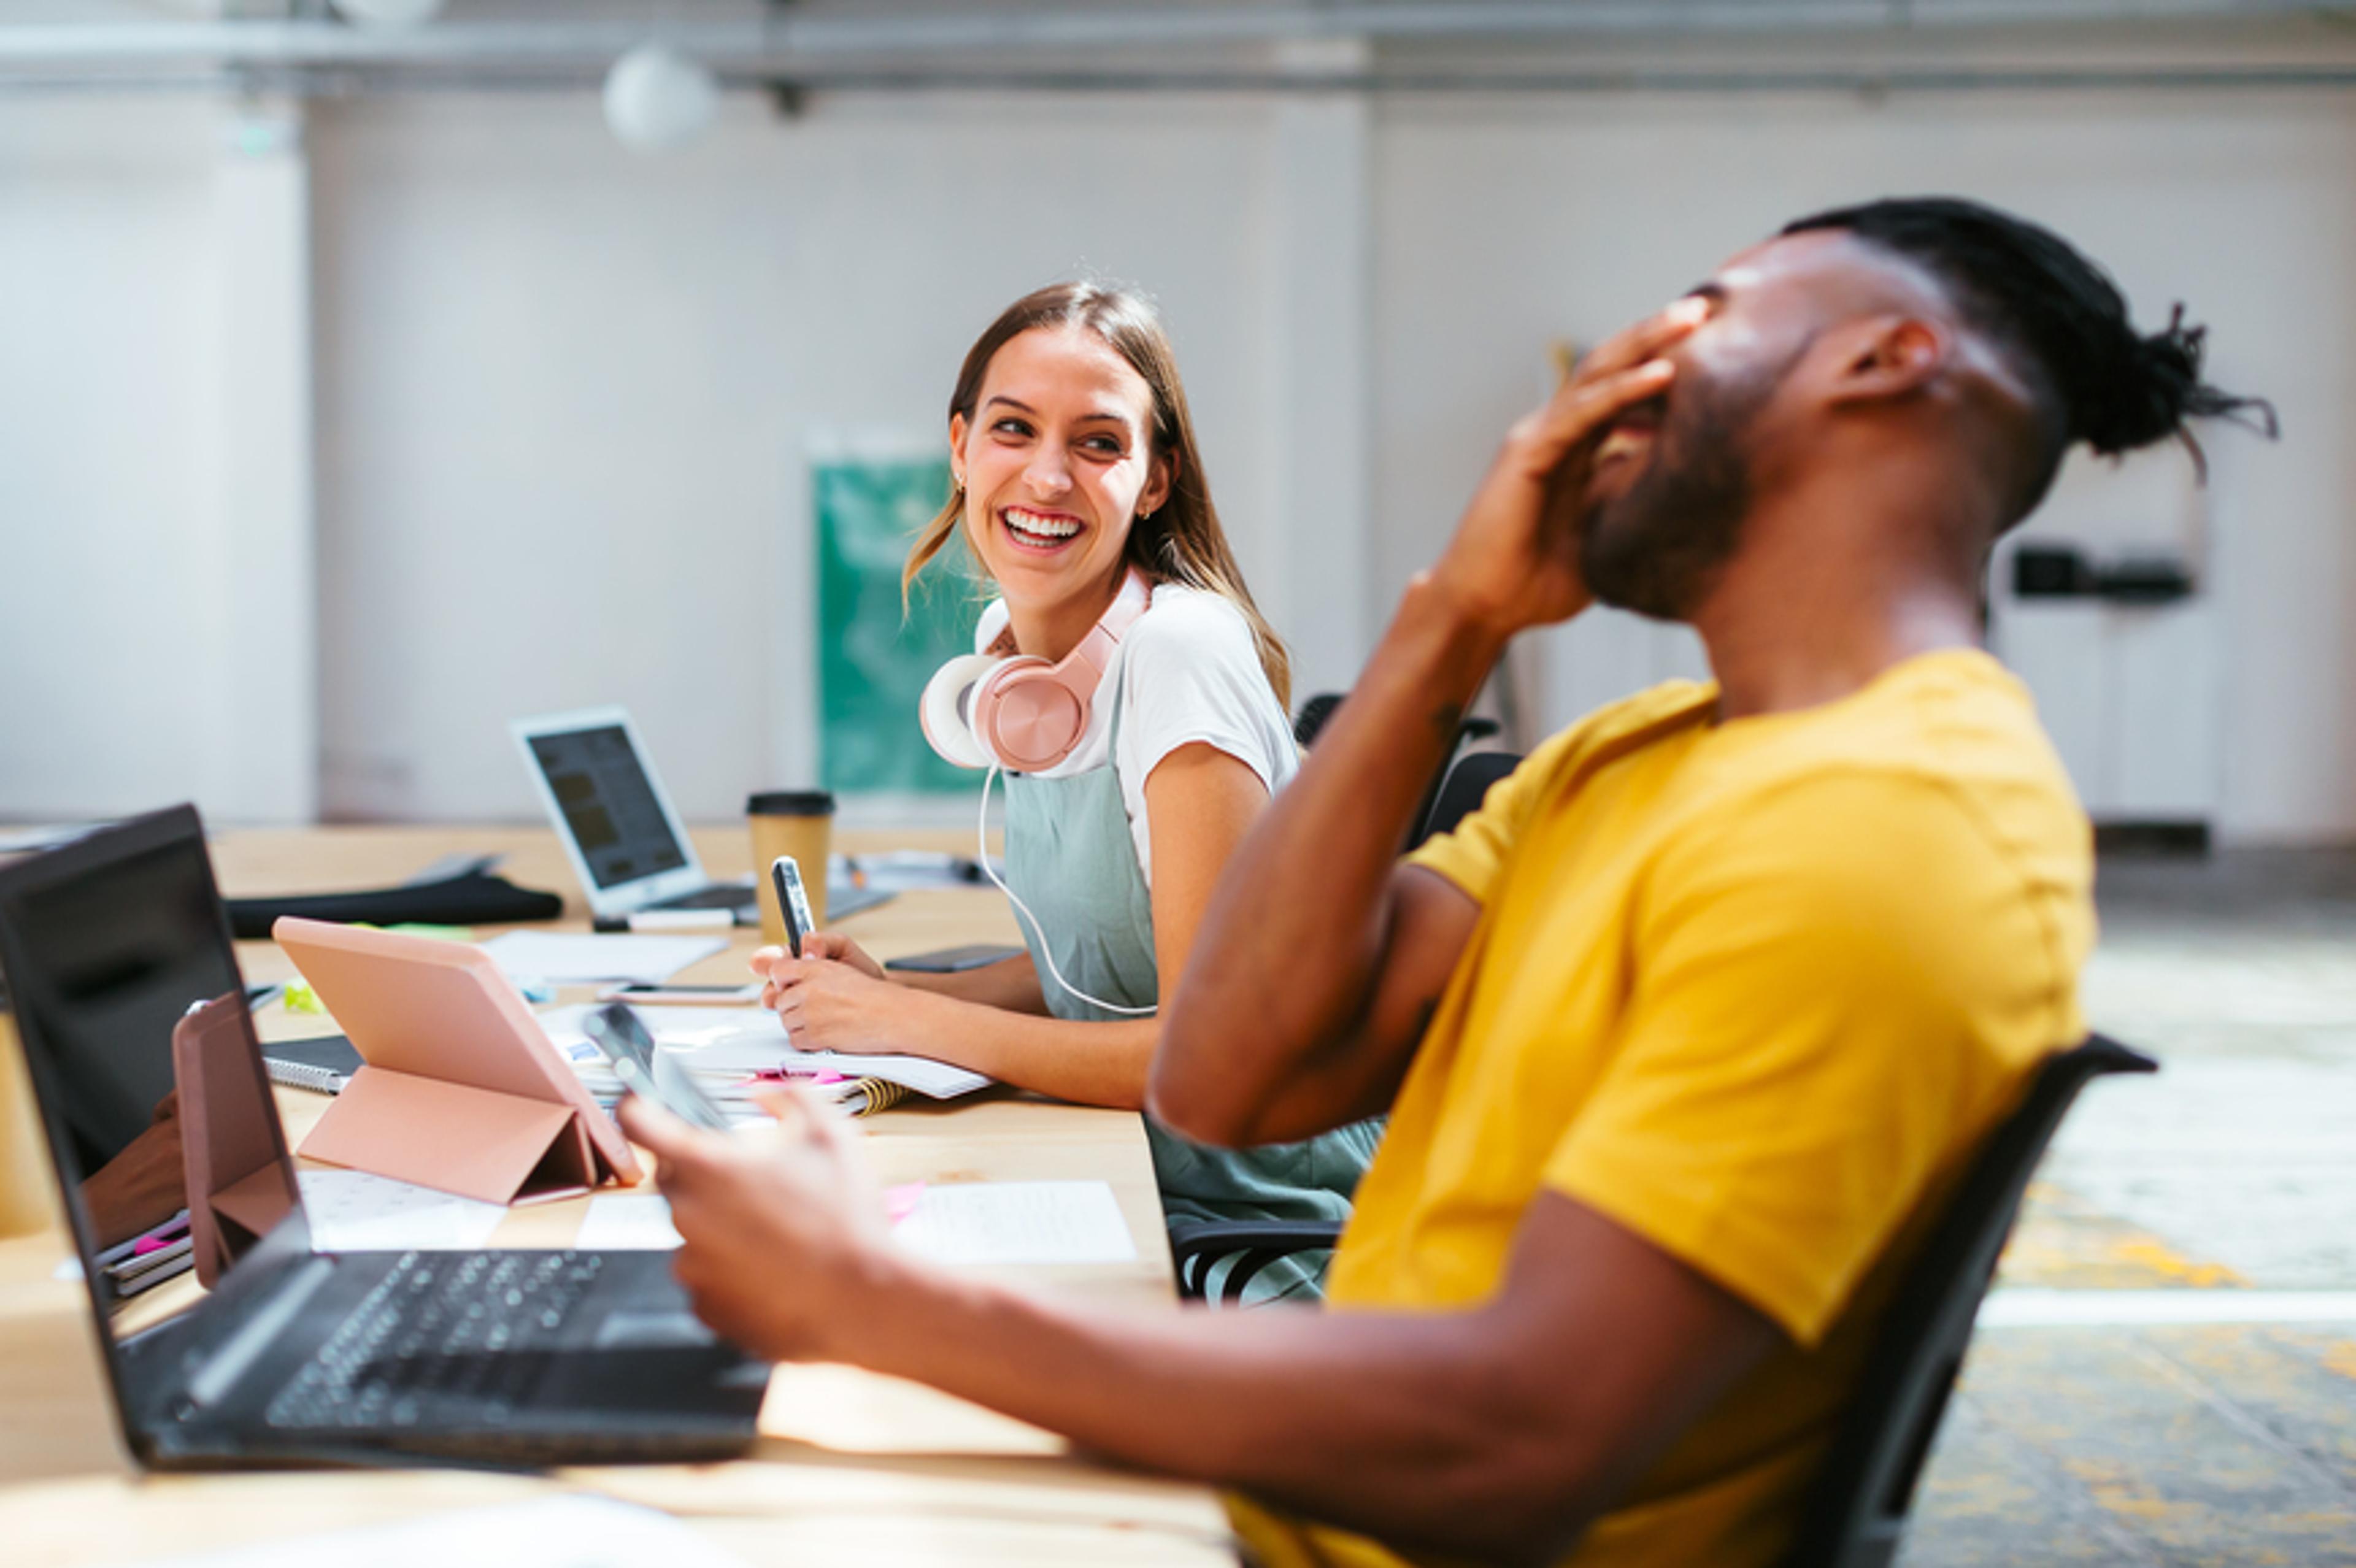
<point>576,1531</point>
<point>736,1042</point>
<point>1017,1222</point>
<point>569,958</point>
<point>631,1223</point>
<point>937,1079</point>
<point>359,1212</point>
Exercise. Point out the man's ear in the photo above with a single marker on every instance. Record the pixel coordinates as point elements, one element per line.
<point>1889,356</point>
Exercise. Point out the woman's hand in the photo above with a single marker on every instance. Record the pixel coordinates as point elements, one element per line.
<point>1513,563</point>
<point>834,1003</point>
<point>784,1229</point>
<point>820,944</point>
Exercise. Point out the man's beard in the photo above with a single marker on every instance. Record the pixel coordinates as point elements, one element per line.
<point>1656,547</point>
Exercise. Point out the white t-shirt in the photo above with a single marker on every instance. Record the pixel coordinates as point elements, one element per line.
<point>1187,671</point>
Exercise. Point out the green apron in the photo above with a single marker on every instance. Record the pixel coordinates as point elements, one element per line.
<point>1070,857</point>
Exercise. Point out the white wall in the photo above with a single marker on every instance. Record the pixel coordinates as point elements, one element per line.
<point>1504,224</point>
<point>107,479</point>
<point>567,394</point>
<point>564,395</point>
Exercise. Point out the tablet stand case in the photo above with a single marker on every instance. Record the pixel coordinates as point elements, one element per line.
<point>454,1137</point>
<point>229,1137</point>
<point>459,1089</point>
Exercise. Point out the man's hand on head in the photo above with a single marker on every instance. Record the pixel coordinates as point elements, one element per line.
<point>783,1229</point>
<point>1514,561</point>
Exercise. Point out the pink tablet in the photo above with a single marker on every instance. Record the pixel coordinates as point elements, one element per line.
<point>467,1086</point>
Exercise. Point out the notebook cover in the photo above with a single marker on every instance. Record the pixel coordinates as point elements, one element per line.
<point>322,1065</point>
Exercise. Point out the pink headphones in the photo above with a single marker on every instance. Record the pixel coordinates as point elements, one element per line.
<point>1019,712</point>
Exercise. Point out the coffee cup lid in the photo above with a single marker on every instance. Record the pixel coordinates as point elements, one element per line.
<point>790,802</point>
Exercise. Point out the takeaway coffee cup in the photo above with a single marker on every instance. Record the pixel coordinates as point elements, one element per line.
<point>26,1204</point>
<point>796,822</point>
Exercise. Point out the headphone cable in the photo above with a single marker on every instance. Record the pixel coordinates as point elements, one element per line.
<point>982,846</point>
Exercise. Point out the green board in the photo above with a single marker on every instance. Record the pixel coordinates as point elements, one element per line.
<point>873,662</point>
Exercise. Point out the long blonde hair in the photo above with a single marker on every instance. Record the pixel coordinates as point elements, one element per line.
<point>1179,541</point>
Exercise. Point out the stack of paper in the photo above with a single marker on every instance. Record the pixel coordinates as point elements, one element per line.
<point>735,1052</point>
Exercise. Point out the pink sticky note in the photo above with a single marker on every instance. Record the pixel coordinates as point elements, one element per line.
<point>828,1078</point>
<point>900,1201</point>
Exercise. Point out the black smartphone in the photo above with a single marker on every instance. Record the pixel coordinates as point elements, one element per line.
<point>786,875</point>
<point>954,960</point>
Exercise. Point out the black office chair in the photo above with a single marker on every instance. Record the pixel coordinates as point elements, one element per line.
<point>1312,716</point>
<point>1196,1249</point>
<point>1458,790</point>
<point>1855,1515</point>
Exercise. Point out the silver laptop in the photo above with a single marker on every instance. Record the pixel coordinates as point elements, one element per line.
<point>617,823</point>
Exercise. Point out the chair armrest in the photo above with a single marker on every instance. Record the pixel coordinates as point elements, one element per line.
<point>1194,1248</point>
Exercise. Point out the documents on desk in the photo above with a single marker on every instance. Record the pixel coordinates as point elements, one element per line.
<point>357,1212</point>
<point>569,958</point>
<point>631,1223</point>
<point>990,1222</point>
<point>734,1051</point>
<point>964,1223</point>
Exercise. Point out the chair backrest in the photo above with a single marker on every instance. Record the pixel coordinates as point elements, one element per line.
<point>1460,790</point>
<point>1857,1514</point>
<point>1312,716</point>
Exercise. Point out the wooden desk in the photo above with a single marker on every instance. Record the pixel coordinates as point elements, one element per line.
<point>852,1468</point>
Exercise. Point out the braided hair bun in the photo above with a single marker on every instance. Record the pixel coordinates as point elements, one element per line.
<point>2097,378</point>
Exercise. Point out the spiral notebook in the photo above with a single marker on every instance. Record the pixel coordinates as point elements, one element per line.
<point>326,1063</point>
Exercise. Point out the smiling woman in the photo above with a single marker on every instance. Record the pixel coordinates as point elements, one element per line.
<point>1083,497</point>
<point>1102,359</point>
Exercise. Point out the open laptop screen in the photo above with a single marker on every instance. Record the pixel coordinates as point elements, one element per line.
<point>609,803</point>
<point>105,945</point>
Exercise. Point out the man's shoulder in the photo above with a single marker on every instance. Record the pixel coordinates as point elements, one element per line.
<point>1936,787</point>
<point>1952,727</point>
<point>1665,709</point>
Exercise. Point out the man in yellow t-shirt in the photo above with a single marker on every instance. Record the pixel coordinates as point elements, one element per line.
<point>1750,991</point>
<point>1684,1035</point>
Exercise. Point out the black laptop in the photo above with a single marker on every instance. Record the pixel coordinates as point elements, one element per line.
<point>297,1356</point>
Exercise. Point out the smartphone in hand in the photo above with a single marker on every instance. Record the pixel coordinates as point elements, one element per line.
<point>786,876</point>
<point>644,1071</point>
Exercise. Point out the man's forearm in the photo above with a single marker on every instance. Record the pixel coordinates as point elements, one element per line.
<point>1409,1428</point>
<point>1283,966</point>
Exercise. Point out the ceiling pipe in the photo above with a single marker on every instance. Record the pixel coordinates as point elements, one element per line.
<point>782,41</point>
<point>1063,50</point>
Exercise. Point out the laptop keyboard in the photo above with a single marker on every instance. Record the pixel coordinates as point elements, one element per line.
<point>719,896</point>
<point>443,1337</point>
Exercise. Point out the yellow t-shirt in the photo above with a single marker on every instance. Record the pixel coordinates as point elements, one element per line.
<point>1754,991</point>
